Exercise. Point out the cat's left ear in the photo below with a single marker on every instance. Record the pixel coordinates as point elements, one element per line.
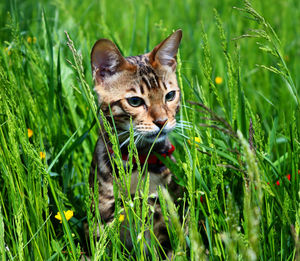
<point>106,60</point>
<point>164,54</point>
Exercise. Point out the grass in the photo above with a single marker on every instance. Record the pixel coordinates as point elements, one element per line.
<point>247,129</point>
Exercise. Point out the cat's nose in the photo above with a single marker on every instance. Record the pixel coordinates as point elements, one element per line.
<point>160,123</point>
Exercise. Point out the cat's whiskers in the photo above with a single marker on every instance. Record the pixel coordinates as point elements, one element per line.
<point>142,141</point>
<point>180,126</point>
<point>138,139</point>
<point>186,106</point>
<point>186,122</point>
<point>128,139</point>
<point>181,134</point>
<point>122,133</point>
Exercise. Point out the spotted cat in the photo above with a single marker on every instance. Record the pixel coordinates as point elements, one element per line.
<point>143,88</point>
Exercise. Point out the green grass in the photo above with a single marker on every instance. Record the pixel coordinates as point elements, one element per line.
<point>248,128</point>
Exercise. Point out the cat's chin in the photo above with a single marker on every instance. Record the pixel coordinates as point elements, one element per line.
<point>153,138</point>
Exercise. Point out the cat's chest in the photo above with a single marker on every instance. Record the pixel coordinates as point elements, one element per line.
<point>157,178</point>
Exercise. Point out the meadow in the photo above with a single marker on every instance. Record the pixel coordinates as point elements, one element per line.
<point>237,158</point>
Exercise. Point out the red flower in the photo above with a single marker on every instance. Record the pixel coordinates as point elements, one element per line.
<point>201,199</point>
<point>288,177</point>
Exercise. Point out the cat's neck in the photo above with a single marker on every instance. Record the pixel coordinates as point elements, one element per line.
<point>159,147</point>
<point>143,148</point>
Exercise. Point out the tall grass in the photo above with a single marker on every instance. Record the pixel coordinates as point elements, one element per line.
<point>233,162</point>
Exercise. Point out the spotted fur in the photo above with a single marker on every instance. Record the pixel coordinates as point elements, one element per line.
<point>152,78</point>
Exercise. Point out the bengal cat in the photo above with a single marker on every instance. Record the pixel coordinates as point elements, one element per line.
<point>143,88</point>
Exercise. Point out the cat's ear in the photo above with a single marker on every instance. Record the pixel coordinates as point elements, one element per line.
<point>106,60</point>
<point>164,54</point>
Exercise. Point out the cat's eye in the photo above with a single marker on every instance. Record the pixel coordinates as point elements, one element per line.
<point>135,101</point>
<point>170,96</point>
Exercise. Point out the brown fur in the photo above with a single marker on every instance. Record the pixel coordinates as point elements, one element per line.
<point>150,77</point>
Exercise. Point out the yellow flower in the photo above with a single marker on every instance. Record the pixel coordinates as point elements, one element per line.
<point>30,133</point>
<point>29,40</point>
<point>121,218</point>
<point>42,155</point>
<point>218,80</point>
<point>8,51</point>
<point>196,139</point>
<point>34,39</point>
<point>68,215</point>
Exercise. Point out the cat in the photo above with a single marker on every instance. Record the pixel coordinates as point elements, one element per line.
<point>145,89</point>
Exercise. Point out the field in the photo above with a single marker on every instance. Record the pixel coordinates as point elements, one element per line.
<point>237,156</point>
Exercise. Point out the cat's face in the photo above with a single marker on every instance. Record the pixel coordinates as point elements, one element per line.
<point>141,87</point>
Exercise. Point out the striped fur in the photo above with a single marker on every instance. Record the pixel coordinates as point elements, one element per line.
<point>152,78</point>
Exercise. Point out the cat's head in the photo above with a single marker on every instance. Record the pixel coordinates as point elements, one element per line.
<point>143,87</point>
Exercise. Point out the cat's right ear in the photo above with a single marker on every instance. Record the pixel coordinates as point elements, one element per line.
<point>106,60</point>
<point>164,54</point>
